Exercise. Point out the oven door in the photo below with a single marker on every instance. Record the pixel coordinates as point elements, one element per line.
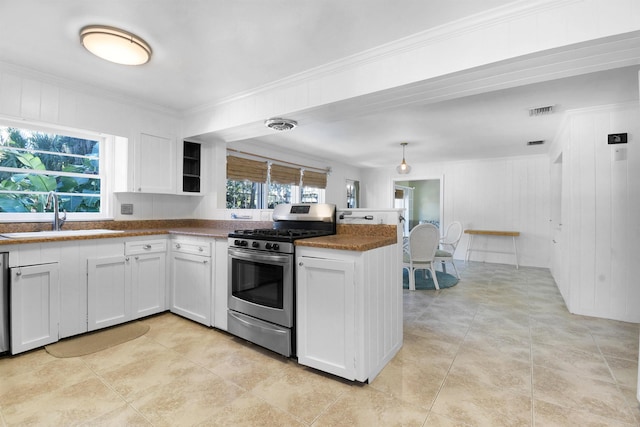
<point>261,285</point>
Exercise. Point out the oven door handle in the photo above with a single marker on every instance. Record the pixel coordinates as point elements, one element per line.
<point>253,256</point>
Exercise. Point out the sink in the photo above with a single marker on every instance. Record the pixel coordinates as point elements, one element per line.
<point>61,233</point>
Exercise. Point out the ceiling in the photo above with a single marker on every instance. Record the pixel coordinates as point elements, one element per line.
<point>205,51</point>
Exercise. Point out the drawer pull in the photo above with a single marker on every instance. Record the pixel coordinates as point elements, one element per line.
<point>178,246</point>
<point>200,248</point>
<point>147,247</point>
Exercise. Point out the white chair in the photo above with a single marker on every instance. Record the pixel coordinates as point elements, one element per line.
<point>448,245</point>
<point>423,243</point>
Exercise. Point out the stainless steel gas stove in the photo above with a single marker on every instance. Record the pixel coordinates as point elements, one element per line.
<point>261,292</point>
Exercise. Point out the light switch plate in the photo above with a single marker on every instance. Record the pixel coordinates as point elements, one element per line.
<point>126,209</point>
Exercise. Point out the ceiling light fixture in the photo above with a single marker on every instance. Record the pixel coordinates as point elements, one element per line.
<point>115,45</point>
<point>280,124</point>
<point>403,168</point>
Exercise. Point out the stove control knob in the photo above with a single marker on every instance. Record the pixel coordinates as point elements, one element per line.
<point>255,245</point>
<point>268,246</point>
<point>240,243</point>
<point>276,246</point>
<point>235,242</point>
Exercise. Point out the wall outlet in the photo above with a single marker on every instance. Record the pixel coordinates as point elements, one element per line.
<point>126,209</point>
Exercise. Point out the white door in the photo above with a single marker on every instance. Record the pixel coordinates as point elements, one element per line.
<point>155,160</point>
<point>34,306</point>
<point>326,315</point>
<point>108,291</point>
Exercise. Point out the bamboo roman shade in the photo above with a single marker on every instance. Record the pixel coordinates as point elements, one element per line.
<point>314,179</point>
<point>285,174</point>
<point>240,169</point>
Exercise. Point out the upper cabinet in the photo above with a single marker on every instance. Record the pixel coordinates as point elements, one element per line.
<point>146,165</point>
<point>190,168</point>
<point>155,164</point>
<point>159,165</point>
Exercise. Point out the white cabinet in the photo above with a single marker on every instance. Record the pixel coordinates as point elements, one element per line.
<point>326,310</point>
<point>34,306</point>
<point>191,279</point>
<point>127,282</point>
<point>146,165</point>
<point>349,310</point>
<point>108,291</point>
<point>148,260</point>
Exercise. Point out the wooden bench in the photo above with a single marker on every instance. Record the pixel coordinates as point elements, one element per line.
<point>471,233</point>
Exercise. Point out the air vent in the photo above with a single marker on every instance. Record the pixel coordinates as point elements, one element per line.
<point>539,111</point>
<point>280,124</point>
<point>540,142</point>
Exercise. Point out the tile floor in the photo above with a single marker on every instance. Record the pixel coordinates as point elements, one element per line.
<point>498,349</point>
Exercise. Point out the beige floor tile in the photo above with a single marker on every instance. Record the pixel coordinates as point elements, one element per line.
<point>468,400</point>
<point>549,415</point>
<point>301,392</point>
<point>44,378</point>
<point>367,407</point>
<point>411,381</point>
<point>580,393</point>
<point>125,415</point>
<point>437,420</point>
<point>249,410</point>
<point>572,360</point>
<point>22,363</point>
<point>76,403</point>
<point>187,399</point>
<point>493,368</point>
<point>624,371</point>
<point>618,346</point>
<point>136,378</point>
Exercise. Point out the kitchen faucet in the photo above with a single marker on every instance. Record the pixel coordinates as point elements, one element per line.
<point>57,221</point>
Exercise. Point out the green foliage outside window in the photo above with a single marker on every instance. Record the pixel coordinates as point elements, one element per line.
<point>35,163</point>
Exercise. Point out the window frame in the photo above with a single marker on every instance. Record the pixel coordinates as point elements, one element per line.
<point>105,169</point>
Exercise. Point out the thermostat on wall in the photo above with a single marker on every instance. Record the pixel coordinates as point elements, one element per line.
<point>617,138</point>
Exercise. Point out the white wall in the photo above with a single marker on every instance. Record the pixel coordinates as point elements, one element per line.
<point>336,191</point>
<point>600,206</point>
<point>39,98</point>
<point>498,194</point>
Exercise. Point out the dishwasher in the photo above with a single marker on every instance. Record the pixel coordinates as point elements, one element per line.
<point>4,303</point>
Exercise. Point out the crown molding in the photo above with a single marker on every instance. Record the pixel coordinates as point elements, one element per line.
<point>410,43</point>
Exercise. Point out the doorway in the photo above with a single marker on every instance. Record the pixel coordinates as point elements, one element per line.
<point>421,201</point>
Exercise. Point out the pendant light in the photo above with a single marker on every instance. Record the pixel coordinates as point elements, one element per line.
<point>115,45</point>
<point>403,168</point>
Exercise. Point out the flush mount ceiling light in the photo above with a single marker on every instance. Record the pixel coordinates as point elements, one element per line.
<point>403,168</point>
<point>115,45</point>
<point>280,124</point>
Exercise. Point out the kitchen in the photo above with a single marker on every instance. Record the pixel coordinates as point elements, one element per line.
<point>30,95</point>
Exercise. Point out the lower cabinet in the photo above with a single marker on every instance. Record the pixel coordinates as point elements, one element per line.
<point>148,276</point>
<point>108,291</point>
<point>126,287</point>
<point>349,310</point>
<point>191,280</point>
<point>34,306</point>
<point>325,320</point>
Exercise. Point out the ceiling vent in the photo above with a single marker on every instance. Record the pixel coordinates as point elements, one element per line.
<point>539,142</point>
<point>539,111</point>
<point>280,124</point>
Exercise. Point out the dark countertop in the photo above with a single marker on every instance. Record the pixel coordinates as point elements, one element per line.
<point>351,237</point>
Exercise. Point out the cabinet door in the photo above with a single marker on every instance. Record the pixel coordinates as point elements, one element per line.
<point>191,287</point>
<point>148,280</point>
<point>34,306</point>
<point>108,291</point>
<point>155,164</point>
<point>325,317</point>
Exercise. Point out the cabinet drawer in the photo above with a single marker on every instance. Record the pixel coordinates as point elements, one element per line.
<point>145,247</point>
<point>191,247</point>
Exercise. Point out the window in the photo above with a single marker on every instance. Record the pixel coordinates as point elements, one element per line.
<point>253,184</point>
<point>35,161</point>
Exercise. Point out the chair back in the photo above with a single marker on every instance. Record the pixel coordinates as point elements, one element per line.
<point>452,235</point>
<point>423,242</point>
